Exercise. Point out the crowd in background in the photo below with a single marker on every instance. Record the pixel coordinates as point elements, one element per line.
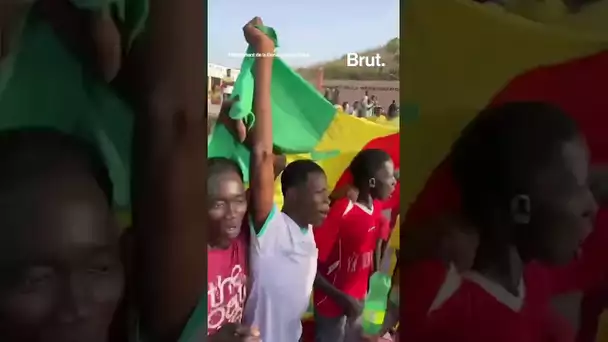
<point>367,107</point>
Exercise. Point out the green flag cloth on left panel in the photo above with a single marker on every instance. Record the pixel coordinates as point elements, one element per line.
<point>42,84</point>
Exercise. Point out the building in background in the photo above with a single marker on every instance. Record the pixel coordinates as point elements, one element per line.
<point>221,77</point>
<point>220,83</point>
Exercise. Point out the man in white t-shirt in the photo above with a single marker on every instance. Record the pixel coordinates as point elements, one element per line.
<point>284,255</point>
<point>365,97</point>
<point>363,106</point>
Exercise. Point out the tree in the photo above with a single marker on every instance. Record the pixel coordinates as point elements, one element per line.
<point>392,47</point>
<point>337,69</point>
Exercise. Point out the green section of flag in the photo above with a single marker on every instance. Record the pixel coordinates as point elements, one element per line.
<point>300,114</point>
<point>410,113</point>
<point>131,14</point>
<point>44,85</point>
<point>322,155</point>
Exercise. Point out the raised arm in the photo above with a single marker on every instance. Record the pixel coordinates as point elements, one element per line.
<point>166,82</point>
<point>261,170</point>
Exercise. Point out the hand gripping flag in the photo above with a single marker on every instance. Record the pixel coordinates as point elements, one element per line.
<point>301,116</point>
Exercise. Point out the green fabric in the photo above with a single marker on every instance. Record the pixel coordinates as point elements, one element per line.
<point>300,114</point>
<point>271,215</point>
<point>131,14</point>
<point>194,331</point>
<point>46,86</point>
<point>197,324</point>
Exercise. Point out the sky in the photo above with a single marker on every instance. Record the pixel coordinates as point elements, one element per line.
<point>309,31</point>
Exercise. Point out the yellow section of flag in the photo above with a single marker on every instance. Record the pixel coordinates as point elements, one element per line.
<point>602,328</point>
<point>347,135</point>
<point>458,54</point>
<point>394,244</point>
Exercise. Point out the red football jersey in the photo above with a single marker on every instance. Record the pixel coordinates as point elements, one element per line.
<point>440,303</point>
<point>578,88</point>
<point>447,306</point>
<point>346,241</point>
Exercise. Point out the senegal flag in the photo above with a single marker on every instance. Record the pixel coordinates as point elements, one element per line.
<point>346,137</point>
<point>461,55</point>
<point>301,116</point>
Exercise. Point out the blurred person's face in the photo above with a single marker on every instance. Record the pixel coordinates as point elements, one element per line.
<point>61,275</point>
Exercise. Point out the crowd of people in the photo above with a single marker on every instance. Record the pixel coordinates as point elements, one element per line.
<point>367,107</point>
<point>70,272</point>
<point>370,107</point>
<point>524,229</point>
<point>265,262</point>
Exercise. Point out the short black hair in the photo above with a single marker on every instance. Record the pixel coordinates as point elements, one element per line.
<point>296,173</point>
<point>220,165</point>
<point>500,152</point>
<point>30,154</point>
<point>366,164</point>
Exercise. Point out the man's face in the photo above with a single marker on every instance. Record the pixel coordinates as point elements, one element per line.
<point>313,197</point>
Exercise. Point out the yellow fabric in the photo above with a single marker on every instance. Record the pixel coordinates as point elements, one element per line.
<point>393,122</point>
<point>382,120</point>
<point>458,54</point>
<point>547,11</point>
<point>309,314</point>
<point>347,134</point>
<point>602,328</point>
<point>591,18</point>
<point>350,133</point>
<point>378,119</point>
<point>393,242</point>
<point>124,218</point>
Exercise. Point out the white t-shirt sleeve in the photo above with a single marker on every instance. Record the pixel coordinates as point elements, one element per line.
<point>268,234</point>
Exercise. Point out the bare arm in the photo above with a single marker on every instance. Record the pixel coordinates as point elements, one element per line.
<point>392,303</point>
<point>165,82</point>
<point>341,298</point>
<point>261,169</point>
<point>378,252</point>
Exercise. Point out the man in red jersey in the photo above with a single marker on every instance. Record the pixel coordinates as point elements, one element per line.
<point>595,301</point>
<point>347,241</point>
<point>522,173</point>
<point>577,87</point>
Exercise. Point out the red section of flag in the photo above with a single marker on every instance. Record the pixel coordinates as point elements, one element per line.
<point>578,87</point>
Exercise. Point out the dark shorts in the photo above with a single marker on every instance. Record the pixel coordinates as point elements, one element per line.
<point>337,329</point>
